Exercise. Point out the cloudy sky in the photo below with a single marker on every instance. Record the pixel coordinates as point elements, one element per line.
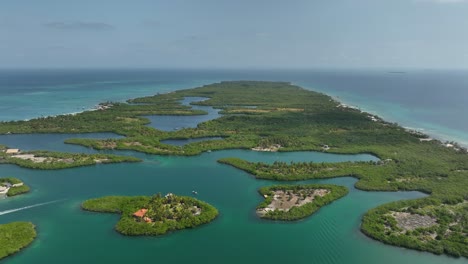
<point>234,34</point>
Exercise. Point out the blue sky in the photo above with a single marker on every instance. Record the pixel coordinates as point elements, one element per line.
<point>234,34</point>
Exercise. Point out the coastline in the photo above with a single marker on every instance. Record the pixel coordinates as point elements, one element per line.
<point>433,130</point>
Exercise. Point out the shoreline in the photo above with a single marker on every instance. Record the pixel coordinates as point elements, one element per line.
<point>429,132</point>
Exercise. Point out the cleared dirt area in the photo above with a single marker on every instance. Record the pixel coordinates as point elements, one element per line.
<point>409,222</point>
<point>40,159</point>
<point>272,148</point>
<point>30,157</point>
<point>284,200</point>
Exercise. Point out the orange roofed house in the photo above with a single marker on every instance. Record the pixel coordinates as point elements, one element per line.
<point>141,214</point>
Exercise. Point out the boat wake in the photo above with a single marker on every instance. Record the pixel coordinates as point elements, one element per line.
<point>28,207</point>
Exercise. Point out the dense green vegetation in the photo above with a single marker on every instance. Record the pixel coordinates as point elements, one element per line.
<point>120,118</point>
<point>10,180</point>
<point>15,236</point>
<point>164,214</point>
<point>48,160</point>
<point>299,212</point>
<point>448,235</point>
<point>16,190</point>
<point>294,119</point>
<point>282,171</point>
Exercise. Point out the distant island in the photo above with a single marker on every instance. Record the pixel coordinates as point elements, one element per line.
<point>15,236</point>
<point>12,186</point>
<point>279,116</point>
<point>49,160</point>
<point>157,215</point>
<point>293,202</point>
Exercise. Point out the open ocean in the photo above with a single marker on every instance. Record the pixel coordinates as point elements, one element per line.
<point>433,101</point>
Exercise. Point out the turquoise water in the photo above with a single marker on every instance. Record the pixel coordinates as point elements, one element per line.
<point>171,123</point>
<point>433,102</point>
<point>67,234</point>
<point>182,142</point>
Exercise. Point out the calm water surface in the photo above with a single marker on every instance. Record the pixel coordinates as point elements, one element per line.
<point>330,236</point>
<point>171,123</point>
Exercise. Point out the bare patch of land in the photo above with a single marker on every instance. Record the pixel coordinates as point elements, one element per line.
<point>272,148</point>
<point>30,157</point>
<point>284,200</point>
<point>410,222</point>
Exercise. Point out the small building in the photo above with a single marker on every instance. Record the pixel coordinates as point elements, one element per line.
<point>12,151</point>
<point>140,213</point>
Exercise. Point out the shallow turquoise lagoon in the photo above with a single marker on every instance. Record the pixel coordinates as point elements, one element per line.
<point>68,234</point>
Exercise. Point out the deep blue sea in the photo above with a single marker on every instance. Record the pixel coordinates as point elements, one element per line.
<point>433,101</point>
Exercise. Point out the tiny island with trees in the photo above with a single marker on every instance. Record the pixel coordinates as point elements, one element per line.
<point>156,215</point>
<point>15,236</point>
<point>288,118</point>
<point>294,202</point>
<point>12,186</point>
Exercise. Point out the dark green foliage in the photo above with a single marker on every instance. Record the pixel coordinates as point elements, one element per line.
<point>305,210</point>
<point>18,190</point>
<point>167,214</point>
<point>10,180</point>
<point>15,236</point>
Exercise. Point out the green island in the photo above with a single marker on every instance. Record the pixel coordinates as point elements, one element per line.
<point>289,118</point>
<point>294,202</point>
<point>156,215</point>
<point>48,160</point>
<point>423,224</point>
<point>12,186</point>
<point>15,236</point>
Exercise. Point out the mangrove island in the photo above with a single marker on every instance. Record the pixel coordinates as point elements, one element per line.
<point>15,236</point>
<point>156,215</point>
<point>49,160</point>
<point>12,186</point>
